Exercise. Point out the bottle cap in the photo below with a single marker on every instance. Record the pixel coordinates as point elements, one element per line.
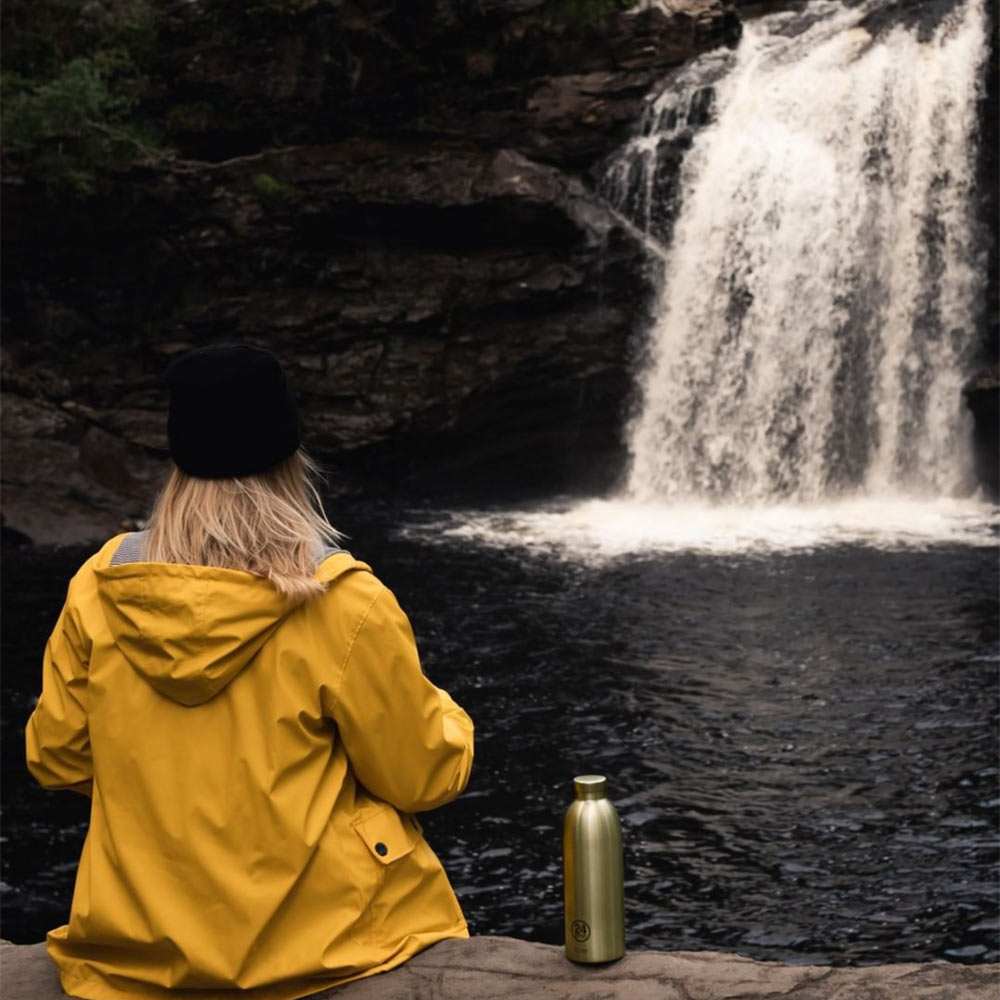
<point>590,786</point>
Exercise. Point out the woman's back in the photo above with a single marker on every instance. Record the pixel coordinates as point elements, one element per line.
<point>254,764</point>
<point>231,844</point>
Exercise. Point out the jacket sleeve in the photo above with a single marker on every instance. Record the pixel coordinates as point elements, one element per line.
<point>57,737</point>
<point>408,741</point>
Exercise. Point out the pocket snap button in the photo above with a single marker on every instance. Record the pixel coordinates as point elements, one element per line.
<point>381,850</point>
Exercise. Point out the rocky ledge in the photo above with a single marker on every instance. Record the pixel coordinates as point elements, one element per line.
<point>497,968</point>
<point>400,199</point>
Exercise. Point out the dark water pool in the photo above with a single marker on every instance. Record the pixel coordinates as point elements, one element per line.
<point>802,747</point>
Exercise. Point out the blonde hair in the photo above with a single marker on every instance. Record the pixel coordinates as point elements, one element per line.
<point>271,524</point>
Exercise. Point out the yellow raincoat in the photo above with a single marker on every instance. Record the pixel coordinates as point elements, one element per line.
<point>254,775</point>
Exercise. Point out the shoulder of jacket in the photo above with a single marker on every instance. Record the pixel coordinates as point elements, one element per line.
<point>83,586</point>
<point>340,568</point>
<point>351,586</point>
<point>101,558</point>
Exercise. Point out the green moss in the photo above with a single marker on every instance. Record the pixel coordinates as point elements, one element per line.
<point>272,191</point>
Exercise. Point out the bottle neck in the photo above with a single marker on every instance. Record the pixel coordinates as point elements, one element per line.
<point>589,787</point>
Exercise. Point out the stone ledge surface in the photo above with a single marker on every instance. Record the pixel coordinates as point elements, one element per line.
<point>501,968</point>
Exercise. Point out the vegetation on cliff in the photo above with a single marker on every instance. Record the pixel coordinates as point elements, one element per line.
<point>74,75</point>
<point>90,87</point>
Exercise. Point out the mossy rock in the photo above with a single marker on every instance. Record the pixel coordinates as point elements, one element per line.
<point>272,191</point>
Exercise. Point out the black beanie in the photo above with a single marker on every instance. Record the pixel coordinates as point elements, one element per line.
<point>231,412</point>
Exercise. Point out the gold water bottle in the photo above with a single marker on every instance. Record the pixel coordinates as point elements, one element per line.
<point>594,875</point>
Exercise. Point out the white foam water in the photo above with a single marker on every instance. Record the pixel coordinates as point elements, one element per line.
<point>599,530</point>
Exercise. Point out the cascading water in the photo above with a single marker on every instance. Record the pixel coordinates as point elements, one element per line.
<point>822,278</point>
<point>811,197</point>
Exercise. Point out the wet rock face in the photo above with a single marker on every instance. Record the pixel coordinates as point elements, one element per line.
<point>396,198</point>
<point>485,72</point>
<point>982,396</point>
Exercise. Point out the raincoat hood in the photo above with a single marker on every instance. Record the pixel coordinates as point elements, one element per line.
<point>189,630</point>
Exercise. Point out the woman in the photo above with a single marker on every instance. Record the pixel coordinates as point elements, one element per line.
<point>245,704</point>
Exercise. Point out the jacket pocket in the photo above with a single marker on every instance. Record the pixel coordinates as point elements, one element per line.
<point>387,834</point>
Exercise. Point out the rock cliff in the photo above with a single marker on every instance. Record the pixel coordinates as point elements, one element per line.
<point>396,198</point>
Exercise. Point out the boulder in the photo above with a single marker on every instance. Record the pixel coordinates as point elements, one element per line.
<point>497,968</point>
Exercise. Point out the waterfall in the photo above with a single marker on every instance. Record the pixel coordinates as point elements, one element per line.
<point>812,192</point>
<point>810,196</point>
